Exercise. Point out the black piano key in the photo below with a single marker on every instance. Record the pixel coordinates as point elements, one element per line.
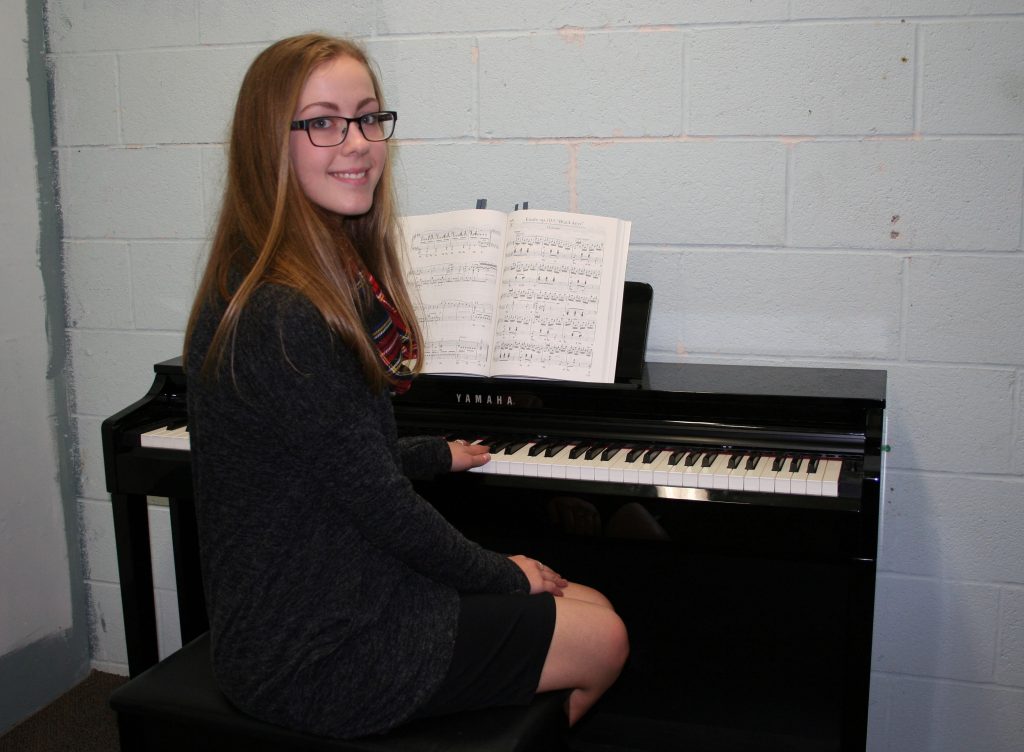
<point>652,455</point>
<point>538,447</point>
<point>673,459</point>
<point>593,452</point>
<point>779,463</point>
<point>794,465</point>
<point>691,459</point>
<point>554,449</point>
<point>515,447</point>
<point>812,465</point>
<point>633,454</point>
<point>734,461</point>
<point>577,451</point>
<point>752,461</point>
<point>709,458</point>
<point>609,453</point>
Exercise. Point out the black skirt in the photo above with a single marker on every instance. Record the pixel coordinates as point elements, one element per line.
<point>500,649</point>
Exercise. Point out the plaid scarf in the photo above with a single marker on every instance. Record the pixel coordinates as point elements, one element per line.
<point>388,330</point>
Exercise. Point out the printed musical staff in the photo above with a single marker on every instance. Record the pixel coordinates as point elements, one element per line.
<point>453,353</point>
<point>455,311</point>
<point>436,274</point>
<point>456,241</point>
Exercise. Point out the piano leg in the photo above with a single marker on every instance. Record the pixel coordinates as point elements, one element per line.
<point>185,541</point>
<point>131,533</point>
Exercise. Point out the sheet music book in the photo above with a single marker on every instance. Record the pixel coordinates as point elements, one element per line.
<point>527,294</point>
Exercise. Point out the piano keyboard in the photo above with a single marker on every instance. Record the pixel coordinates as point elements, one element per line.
<point>173,436</point>
<point>729,470</point>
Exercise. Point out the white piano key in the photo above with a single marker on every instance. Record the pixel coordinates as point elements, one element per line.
<point>766,474</point>
<point>752,476</point>
<point>733,476</point>
<point>645,470</point>
<point>689,474</point>
<point>631,469</point>
<point>662,473</point>
<point>704,475</point>
<point>706,478</point>
<point>617,467</point>
<point>784,480</point>
<point>814,479</point>
<point>798,482</point>
<point>602,468</point>
<point>573,465</point>
<point>830,481</point>
<point>721,470</point>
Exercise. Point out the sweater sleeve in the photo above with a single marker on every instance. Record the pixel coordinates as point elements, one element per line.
<point>330,431</point>
<point>424,457</point>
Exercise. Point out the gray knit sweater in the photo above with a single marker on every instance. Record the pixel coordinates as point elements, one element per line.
<point>332,586</point>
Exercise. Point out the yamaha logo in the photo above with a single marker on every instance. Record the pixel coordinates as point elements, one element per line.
<point>484,399</point>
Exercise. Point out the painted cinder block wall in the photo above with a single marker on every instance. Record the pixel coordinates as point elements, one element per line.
<point>810,183</point>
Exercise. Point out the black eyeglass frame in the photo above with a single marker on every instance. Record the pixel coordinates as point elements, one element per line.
<point>303,125</point>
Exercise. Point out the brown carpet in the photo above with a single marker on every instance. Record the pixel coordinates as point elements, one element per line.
<point>77,721</point>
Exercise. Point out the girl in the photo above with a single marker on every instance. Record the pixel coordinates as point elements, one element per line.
<point>341,603</point>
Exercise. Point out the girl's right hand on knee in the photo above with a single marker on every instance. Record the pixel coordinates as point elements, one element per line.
<point>542,579</point>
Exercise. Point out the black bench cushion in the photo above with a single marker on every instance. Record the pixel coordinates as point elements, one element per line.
<point>176,705</point>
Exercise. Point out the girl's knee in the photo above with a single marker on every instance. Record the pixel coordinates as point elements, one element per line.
<point>588,650</point>
<point>587,594</point>
<point>617,640</point>
<point>609,640</point>
<point>614,634</point>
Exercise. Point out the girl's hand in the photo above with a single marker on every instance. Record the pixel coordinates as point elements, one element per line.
<point>542,579</point>
<point>466,455</point>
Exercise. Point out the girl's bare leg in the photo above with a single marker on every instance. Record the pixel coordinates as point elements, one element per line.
<point>588,649</point>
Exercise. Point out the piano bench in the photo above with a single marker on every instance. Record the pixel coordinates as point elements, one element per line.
<point>175,705</point>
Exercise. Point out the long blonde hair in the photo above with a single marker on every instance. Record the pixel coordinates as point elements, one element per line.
<point>269,231</point>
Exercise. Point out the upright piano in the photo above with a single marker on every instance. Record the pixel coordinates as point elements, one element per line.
<point>729,512</point>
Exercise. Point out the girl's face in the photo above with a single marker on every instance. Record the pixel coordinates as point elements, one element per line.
<point>338,178</point>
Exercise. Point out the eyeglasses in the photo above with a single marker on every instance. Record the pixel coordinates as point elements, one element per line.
<point>330,130</point>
